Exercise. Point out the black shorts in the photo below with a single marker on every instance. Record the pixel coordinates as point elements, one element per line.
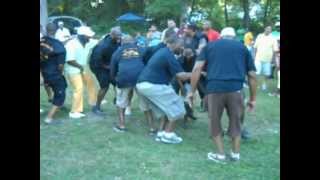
<point>58,87</point>
<point>103,77</point>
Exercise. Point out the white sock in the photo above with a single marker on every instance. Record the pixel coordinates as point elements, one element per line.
<point>235,155</point>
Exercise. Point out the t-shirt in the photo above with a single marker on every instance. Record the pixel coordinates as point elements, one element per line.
<point>76,51</point>
<point>164,32</point>
<point>266,45</point>
<point>102,52</point>
<point>228,62</point>
<point>62,34</point>
<point>187,65</point>
<point>151,50</point>
<point>212,35</point>
<point>126,65</point>
<point>248,39</point>
<point>49,67</point>
<point>161,68</point>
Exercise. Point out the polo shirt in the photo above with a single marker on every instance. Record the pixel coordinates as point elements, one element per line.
<point>161,68</point>
<point>228,62</point>
<point>76,51</point>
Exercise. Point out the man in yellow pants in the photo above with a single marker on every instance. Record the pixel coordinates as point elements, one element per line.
<point>78,72</point>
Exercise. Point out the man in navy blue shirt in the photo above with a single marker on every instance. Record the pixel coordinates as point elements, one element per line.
<point>156,93</point>
<point>125,68</point>
<point>228,63</point>
<point>99,64</point>
<point>52,60</point>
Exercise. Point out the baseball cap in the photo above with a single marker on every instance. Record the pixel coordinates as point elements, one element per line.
<point>85,30</point>
<point>60,23</point>
<point>228,31</point>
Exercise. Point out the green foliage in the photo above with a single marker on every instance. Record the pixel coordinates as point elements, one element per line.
<point>162,10</point>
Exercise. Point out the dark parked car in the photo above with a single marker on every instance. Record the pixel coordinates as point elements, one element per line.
<point>72,23</point>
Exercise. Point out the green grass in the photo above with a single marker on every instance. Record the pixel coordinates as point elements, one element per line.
<point>88,149</point>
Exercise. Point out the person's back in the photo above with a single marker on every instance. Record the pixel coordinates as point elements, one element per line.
<point>126,65</point>
<point>226,65</point>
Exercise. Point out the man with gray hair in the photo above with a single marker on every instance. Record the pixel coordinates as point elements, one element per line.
<point>228,63</point>
<point>100,63</point>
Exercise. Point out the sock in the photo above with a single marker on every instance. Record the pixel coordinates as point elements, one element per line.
<point>235,155</point>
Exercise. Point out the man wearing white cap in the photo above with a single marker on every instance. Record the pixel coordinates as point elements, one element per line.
<point>62,34</point>
<point>77,70</point>
<point>228,62</point>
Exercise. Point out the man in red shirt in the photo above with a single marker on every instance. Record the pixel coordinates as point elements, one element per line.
<point>211,33</point>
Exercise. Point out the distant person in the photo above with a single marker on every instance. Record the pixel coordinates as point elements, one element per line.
<point>156,93</point>
<point>181,30</point>
<point>265,47</point>
<point>153,36</point>
<point>100,64</point>
<point>52,60</point>
<point>197,40</point>
<point>170,25</point>
<point>141,40</point>
<point>126,66</point>
<point>78,72</point>
<point>63,33</point>
<point>212,34</point>
<point>228,63</point>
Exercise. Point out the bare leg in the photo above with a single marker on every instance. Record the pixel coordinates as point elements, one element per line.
<point>149,117</point>
<point>49,92</point>
<point>101,95</point>
<point>236,144</point>
<point>163,123</point>
<point>218,142</point>
<point>121,117</point>
<point>52,112</point>
<point>170,126</point>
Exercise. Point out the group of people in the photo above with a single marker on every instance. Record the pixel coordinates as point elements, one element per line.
<point>164,76</point>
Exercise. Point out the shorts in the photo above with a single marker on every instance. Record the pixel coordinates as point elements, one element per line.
<point>103,77</point>
<point>263,68</point>
<point>162,100</point>
<point>234,104</point>
<point>58,87</point>
<point>122,100</point>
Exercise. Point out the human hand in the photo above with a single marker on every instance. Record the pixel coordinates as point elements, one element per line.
<point>190,99</point>
<point>251,106</point>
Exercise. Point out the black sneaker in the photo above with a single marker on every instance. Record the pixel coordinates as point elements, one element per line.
<point>97,111</point>
<point>119,129</point>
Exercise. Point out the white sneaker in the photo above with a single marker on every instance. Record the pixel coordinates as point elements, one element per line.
<point>128,111</point>
<point>171,138</point>
<point>159,136</point>
<point>48,121</point>
<point>76,115</point>
<point>104,101</point>
<point>234,156</point>
<point>217,158</point>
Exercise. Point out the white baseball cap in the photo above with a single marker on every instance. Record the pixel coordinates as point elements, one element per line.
<point>60,23</point>
<point>85,30</point>
<point>228,31</point>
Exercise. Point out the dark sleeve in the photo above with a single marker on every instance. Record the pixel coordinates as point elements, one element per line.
<point>249,61</point>
<point>114,63</point>
<point>147,55</point>
<point>174,65</point>
<point>61,56</point>
<point>203,55</point>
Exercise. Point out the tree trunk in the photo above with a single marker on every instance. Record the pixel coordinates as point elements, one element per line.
<point>246,17</point>
<point>266,12</point>
<point>226,13</point>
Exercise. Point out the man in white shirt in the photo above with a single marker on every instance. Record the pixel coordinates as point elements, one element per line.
<point>62,34</point>
<point>78,72</point>
<point>171,25</point>
<point>265,47</point>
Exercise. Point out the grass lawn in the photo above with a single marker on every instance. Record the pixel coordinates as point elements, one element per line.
<point>88,149</point>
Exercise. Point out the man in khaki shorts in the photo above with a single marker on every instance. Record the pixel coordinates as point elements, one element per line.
<point>228,63</point>
<point>156,93</point>
<point>126,65</point>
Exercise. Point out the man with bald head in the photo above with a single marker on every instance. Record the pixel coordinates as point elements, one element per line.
<point>100,63</point>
